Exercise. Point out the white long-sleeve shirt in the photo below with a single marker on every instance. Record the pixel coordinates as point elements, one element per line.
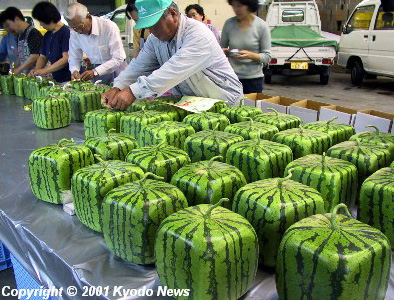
<point>103,46</point>
<point>191,64</point>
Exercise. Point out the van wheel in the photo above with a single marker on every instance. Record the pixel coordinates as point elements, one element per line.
<point>357,73</point>
<point>267,75</point>
<point>325,75</point>
<point>267,79</point>
<point>371,76</point>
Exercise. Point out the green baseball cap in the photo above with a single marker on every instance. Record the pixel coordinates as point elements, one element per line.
<point>150,12</point>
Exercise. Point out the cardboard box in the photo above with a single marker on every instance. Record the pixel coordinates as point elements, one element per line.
<point>256,99</point>
<point>307,110</point>
<point>281,104</point>
<point>345,115</point>
<point>381,120</point>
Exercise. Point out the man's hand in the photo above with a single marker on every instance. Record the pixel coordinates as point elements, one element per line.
<point>87,75</point>
<point>107,97</point>
<point>123,99</point>
<point>75,75</point>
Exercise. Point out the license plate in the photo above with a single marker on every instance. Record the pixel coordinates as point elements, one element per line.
<point>300,65</point>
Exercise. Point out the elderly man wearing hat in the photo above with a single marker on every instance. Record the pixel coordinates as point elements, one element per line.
<point>181,54</point>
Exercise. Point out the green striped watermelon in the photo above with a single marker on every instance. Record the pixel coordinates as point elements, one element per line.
<point>208,250</point>
<point>238,113</point>
<point>51,169</point>
<point>83,102</point>
<point>207,120</point>
<point>175,133</point>
<point>206,182</point>
<point>209,143</point>
<point>162,160</point>
<point>376,138</point>
<point>80,85</point>
<point>338,132</point>
<point>251,130</point>
<point>132,123</point>
<point>334,178</point>
<point>99,122</point>
<point>218,106</point>
<point>272,206</point>
<point>259,159</point>
<point>377,202</point>
<point>51,112</point>
<point>175,113</point>
<point>89,186</point>
<point>18,85</point>
<point>138,105</point>
<point>51,90</point>
<point>368,158</point>
<point>333,256</point>
<point>132,214</point>
<point>282,121</point>
<point>35,86</point>
<point>26,87</point>
<point>112,146</point>
<point>168,99</point>
<point>304,142</point>
<point>7,84</point>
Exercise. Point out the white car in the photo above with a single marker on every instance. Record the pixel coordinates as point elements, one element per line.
<point>367,42</point>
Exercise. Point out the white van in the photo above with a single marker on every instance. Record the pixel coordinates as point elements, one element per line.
<point>367,42</point>
<point>125,27</point>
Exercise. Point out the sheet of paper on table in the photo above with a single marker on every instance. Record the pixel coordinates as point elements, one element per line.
<point>195,104</point>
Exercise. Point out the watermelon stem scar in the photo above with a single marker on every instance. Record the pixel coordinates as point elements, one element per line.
<point>360,146</point>
<point>282,180</point>
<point>162,143</point>
<point>149,174</point>
<point>334,212</point>
<point>276,113</point>
<point>250,119</point>
<point>329,122</point>
<point>213,159</point>
<point>102,161</point>
<point>301,129</point>
<point>112,130</point>
<point>377,131</point>
<point>323,159</point>
<point>207,215</point>
<point>63,142</point>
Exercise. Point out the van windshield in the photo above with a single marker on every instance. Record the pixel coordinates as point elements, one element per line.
<point>293,15</point>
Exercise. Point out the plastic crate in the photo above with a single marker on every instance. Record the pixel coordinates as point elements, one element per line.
<point>5,259</point>
<point>23,279</point>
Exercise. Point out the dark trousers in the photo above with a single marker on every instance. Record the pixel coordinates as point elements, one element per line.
<point>254,85</point>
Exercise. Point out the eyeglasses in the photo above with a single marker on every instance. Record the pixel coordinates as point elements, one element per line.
<point>79,27</point>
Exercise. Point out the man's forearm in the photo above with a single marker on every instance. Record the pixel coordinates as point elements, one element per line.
<point>41,62</point>
<point>31,61</point>
<point>60,64</point>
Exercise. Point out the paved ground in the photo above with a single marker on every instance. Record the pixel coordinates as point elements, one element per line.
<point>373,94</point>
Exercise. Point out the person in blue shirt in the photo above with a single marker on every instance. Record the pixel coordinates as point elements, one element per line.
<point>54,47</point>
<point>9,49</point>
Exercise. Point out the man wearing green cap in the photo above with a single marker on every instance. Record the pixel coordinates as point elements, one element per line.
<point>181,54</point>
